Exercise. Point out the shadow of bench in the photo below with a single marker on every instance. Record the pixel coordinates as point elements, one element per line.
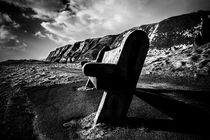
<point>117,71</point>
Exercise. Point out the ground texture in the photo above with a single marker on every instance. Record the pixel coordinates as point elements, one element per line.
<point>48,102</point>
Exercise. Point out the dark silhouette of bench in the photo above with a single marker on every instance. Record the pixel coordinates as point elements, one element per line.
<point>116,71</point>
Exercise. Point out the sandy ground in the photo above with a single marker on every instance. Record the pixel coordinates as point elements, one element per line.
<point>37,99</point>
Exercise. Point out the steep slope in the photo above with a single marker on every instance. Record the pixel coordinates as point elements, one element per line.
<point>82,50</point>
<point>188,29</point>
<point>179,61</point>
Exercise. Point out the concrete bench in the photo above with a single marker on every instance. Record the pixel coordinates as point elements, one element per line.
<point>116,71</point>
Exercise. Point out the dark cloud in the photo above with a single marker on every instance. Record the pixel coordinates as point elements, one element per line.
<point>5,19</point>
<point>18,15</point>
<point>14,44</point>
<point>18,26</point>
<point>10,41</point>
<point>48,23</point>
<point>49,5</point>
<point>44,9</point>
<point>10,25</point>
<point>14,10</point>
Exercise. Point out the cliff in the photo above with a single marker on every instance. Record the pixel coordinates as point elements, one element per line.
<point>186,30</point>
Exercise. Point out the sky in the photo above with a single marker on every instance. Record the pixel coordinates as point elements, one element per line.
<point>30,29</point>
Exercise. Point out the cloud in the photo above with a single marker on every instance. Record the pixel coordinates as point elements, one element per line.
<point>88,18</point>
<point>80,19</point>
<point>16,25</point>
<point>4,34</point>
<point>26,16</point>
<point>39,34</point>
<point>44,14</point>
<point>83,19</point>
<point>45,9</point>
<point>6,19</point>
<point>9,41</point>
<point>57,39</point>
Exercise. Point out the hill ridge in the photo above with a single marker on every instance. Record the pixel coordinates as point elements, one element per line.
<point>186,29</point>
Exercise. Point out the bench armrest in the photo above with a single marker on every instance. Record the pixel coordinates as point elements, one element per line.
<point>96,69</point>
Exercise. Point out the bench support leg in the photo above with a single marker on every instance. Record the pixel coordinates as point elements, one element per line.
<point>100,107</point>
<point>113,107</point>
<point>89,84</point>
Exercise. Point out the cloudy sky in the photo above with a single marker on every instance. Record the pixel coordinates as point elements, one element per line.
<point>30,29</point>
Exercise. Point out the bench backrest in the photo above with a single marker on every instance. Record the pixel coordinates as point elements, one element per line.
<point>129,55</point>
<point>112,56</point>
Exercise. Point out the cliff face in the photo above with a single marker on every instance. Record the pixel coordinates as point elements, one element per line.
<point>82,50</point>
<point>188,29</point>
